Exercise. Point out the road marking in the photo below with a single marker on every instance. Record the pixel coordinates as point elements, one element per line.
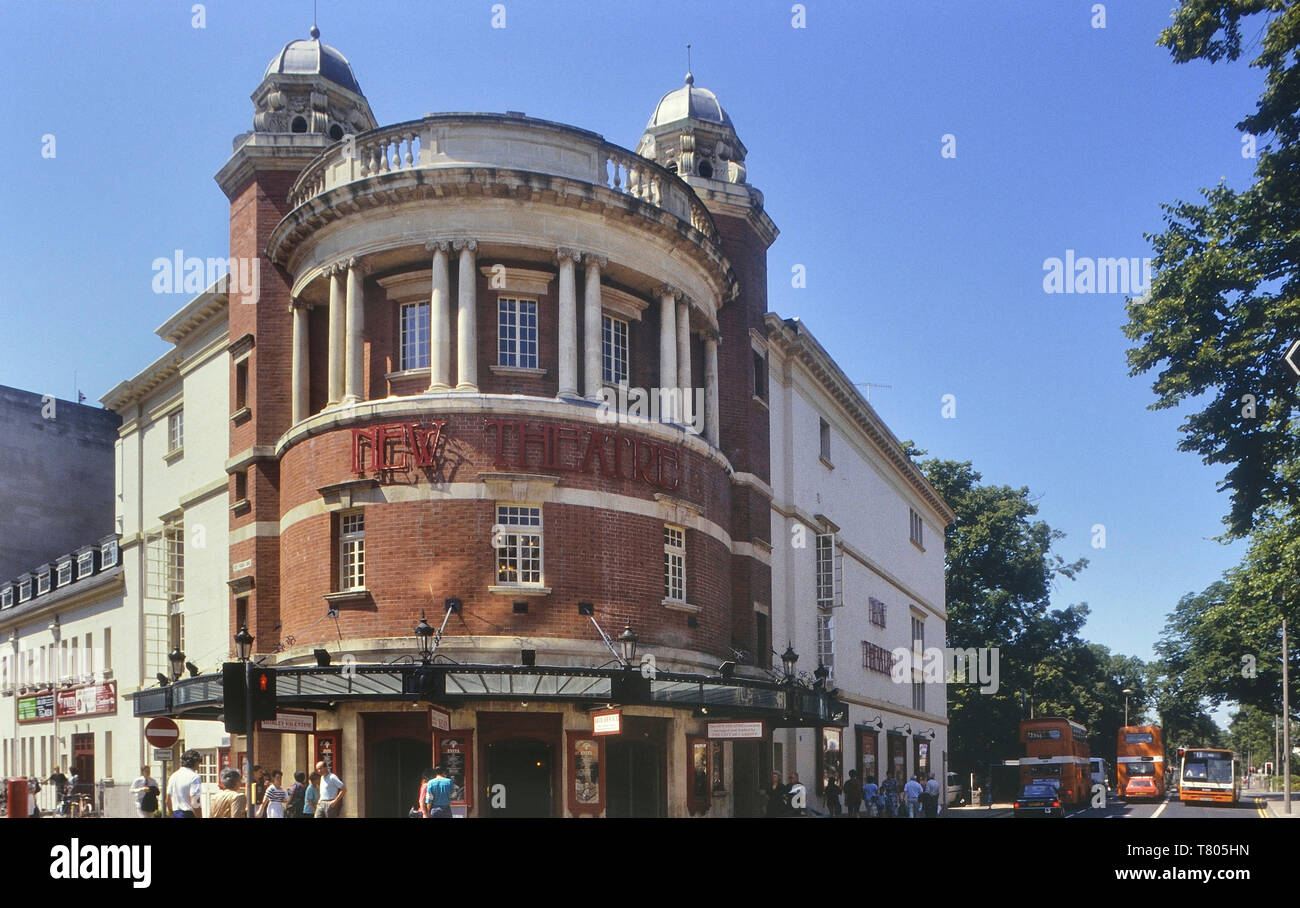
<point>1160,810</point>
<point>1259,806</point>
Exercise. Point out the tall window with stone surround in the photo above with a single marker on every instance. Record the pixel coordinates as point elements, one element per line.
<point>517,333</point>
<point>414,341</point>
<point>674,563</point>
<point>352,550</point>
<point>519,545</point>
<point>613,348</point>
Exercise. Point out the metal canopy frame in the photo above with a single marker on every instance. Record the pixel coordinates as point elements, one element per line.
<point>323,687</point>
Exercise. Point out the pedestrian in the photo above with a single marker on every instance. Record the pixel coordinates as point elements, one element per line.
<point>293,805</point>
<point>778,804</point>
<point>832,790</point>
<point>853,793</point>
<point>890,794</point>
<point>912,792</point>
<point>421,808</point>
<point>437,796</point>
<point>311,796</point>
<point>798,795</point>
<point>274,798</point>
<point>139,787</point>
<point>230,802</point>
<point>149,802</point>
<point>331,793</point>
<point>933,802</point>
<point>258,775</point>
<point>871,797</point>
<point>59,782</point>
<point>185,788</point>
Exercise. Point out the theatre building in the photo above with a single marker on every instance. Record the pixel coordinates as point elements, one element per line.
<point>499,455</point>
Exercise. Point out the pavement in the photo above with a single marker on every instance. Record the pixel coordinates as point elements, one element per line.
<point>1272,803</point>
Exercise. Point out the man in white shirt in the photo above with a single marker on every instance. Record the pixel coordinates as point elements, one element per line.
<point>331,793</point>
<point>139,787</point>
<point>185,788</point>
<point>912,791</point>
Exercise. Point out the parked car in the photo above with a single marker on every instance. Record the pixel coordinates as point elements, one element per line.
<point>956,792</point>
<point>1140,787</point>
<point>1038,800</point>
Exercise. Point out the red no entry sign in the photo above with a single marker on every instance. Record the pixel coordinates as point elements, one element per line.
<point>161,732</point>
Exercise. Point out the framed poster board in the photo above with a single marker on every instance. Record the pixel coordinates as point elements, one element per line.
<point>585,791</point>
<point>454,751</point>
<point>698,773</point>
<point>831,754</point>
<point>329,751</point>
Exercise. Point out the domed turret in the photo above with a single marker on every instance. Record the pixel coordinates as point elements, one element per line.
<point>309,87</point>
<point>312,58</point>
<point>690,134</point>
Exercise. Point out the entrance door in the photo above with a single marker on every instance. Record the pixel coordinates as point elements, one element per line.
<point>748,778</point>
<point>83,763</point>
<point>897,765</point>
<point>525,766</point>
<point>392,786</point>
<point>634,779</point>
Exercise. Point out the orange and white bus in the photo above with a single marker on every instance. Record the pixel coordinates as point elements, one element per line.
<point>1056,752</point>
<point>1140,759</point>
<point>1208,774</point>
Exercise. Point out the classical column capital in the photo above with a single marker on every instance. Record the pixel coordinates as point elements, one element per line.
<point>564,252</point>
<point>301,304</point>
<point>335,268</point>
<point>471,245</point>
<point>433,245</point>
<point>669,290</point>
<point>600,261</point>
<point>358,264</point>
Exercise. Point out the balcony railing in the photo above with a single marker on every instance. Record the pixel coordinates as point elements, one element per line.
<point>505,142</point>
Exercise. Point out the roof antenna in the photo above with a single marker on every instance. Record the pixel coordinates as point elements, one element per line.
<point>315,32</point>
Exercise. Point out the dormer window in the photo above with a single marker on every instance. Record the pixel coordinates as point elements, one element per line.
<point>108,554</point>
<point>85,564</point>
<point>65,572</point>
<point>7,596</point>
<point>42,583</point>
<point>24,590</point>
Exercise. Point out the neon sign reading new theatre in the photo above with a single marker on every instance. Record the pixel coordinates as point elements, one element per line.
<point>398,447</point>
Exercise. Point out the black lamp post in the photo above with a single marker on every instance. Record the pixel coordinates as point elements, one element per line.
<point>627,644</point>
<point>424,638</point>
<point>244,651</point>
<point>177,660</point>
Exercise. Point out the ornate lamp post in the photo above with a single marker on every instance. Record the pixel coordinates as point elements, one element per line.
<point>244,652</point>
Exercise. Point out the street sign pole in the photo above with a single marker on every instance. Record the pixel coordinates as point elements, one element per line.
<point>252,726</point>
<point>1286,724</point>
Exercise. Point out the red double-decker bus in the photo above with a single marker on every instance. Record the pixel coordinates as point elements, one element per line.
<point>1056,752</point>
<point>1140,762</point>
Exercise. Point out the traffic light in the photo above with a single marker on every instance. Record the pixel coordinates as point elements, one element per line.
<point>233,694</point>
<point>263,693</point>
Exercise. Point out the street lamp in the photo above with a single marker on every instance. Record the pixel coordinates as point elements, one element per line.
<point>177,659</point>
<point>788,659</point>
<point>627,644</point>
<point>1126,692</point>
<point>424,638</point>
<point>243,643</point>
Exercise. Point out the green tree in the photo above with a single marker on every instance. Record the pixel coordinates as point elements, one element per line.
<point>1224,302</point>
<point>1250,734</point>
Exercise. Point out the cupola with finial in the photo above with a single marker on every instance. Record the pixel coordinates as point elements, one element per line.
<point>309,87</point>
<point>690,134</point>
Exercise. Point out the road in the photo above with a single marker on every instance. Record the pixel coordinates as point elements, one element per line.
<point>1250,807</point>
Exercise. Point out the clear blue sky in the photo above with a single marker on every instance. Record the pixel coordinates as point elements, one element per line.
<point>923,273</point>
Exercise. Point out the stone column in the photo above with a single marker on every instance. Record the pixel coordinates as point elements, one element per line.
<point>711,389</point>
<point>353,384</point>
<point>440,318</point>
<point>567,318</point>
<point>668,342</point>
<point>338,344</point>
<point>592,371</point>
<point>301,369</point>
<point>683,346</point>
<point>466,318</point>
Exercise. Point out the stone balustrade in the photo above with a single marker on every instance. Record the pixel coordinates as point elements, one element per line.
<point>507,142</point>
